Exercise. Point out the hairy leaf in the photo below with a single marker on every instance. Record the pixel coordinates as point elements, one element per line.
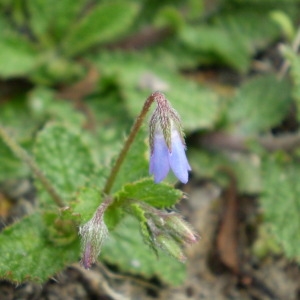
<point>27,253</point>
<point>280,201</point>
<point>64,158</point>
<point>158,195</point>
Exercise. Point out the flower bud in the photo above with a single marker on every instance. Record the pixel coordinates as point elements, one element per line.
<point>169,245</point>
<point>180,229</point>
<point>93,233</point>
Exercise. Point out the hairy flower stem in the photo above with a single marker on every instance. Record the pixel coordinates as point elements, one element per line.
<point>24,156</point>
<point>133,132</point>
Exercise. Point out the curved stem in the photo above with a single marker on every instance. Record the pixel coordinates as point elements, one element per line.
<point>25,157</point>
<point>133,132</point>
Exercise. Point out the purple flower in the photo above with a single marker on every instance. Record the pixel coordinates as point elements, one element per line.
<point>167,143</point>
<point>162,159</point>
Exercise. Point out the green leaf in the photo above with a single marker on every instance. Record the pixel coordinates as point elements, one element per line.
<point>126,249</point>
<point>138,77</point>
<point>11,167</point>
<point>285,23</point>
<point>65,160</point>
<point>251,26</point>
<point>245,166</point>
<point>139,213</point>
<point>17,56</point>
<point>260,103</point>
<point>232,36</point>
<point>45,106</point>
<point>217,43</point>
<point>62,227</point>
<point>20,123</point>
<point>294,61</point>
<point>17,116</point>
<point>27,254</point>
<point>51,20</point>
<point>135,165</point>
<point>158,195</point>
<point>87,201</point>
<point>109,129</point>
<point>104,23</point>
<point>281,201</point>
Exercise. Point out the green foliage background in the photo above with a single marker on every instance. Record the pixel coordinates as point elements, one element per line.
<point>80,72</point>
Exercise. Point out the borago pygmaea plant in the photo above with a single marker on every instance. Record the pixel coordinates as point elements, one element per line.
<point>167,149</point>
<point>66,175</point>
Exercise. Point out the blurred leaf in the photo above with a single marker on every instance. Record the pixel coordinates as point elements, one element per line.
<point>219,44</point>
<point>17,56</point>
<point>45,106</point>
<point>125,249</point>
<point>250,26</point>
<point>260,103</point>
<point>27,254</point>
<point>18,118</point>
<point>232,36</point>
<point>158,195</point>
<point>245,167</point>
<point>281,202</point>
<point>110,121</point>
<point>294,61</point>
<point>65,160</point>
<point>104,23</point>
<point>266,244</point>
<point>51,19</point>
<point>56,70</point>
<point>11,167</point>
<point>285,23</point>
<point>139,77</point>
<point>169,17</point>
<point>175,55</point>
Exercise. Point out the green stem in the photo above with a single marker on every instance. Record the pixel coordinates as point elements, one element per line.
<point>133,132</point>
<point>24,156</point>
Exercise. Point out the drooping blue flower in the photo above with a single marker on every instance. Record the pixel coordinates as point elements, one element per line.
<point>162,159</point>
<point>167,143</point>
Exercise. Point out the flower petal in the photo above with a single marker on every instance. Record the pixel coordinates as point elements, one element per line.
<point>178,161</point>
<point>159,161</point>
